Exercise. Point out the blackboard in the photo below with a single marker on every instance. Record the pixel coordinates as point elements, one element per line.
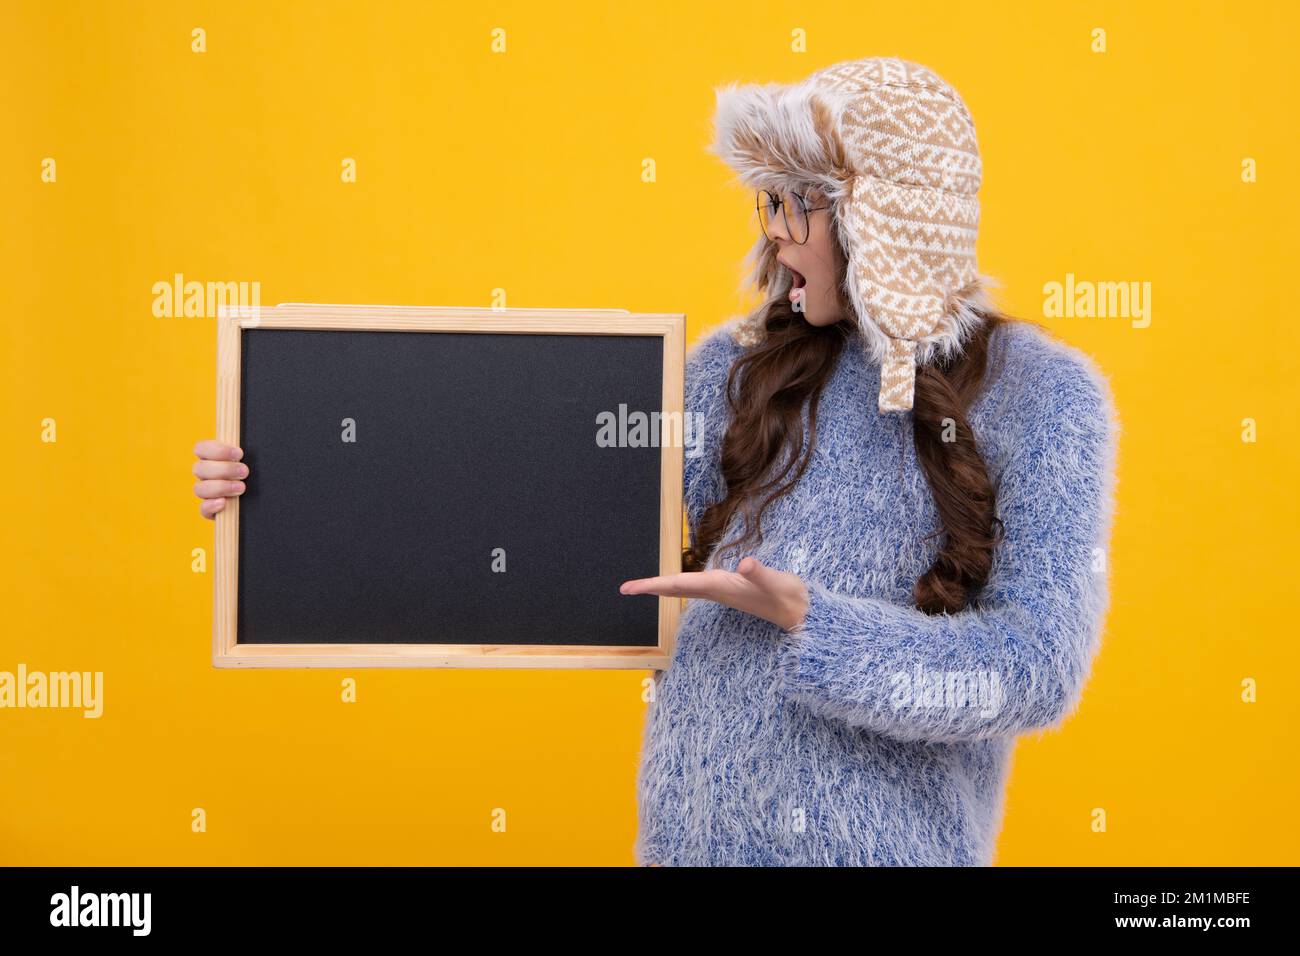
<point>446,487</point>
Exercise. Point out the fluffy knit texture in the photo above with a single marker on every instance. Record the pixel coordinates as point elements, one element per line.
<point>874,734</point>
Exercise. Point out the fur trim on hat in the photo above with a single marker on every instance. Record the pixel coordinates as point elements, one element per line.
<point>781,138</point>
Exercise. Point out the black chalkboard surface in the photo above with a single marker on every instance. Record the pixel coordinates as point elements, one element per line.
<point>446,495</point>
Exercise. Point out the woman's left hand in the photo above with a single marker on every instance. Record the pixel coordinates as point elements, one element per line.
<point>776,596</point>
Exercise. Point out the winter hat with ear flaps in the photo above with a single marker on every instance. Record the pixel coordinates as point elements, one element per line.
<point>893,147</point>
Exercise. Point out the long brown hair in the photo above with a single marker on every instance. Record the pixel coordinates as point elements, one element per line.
<point>766,390</point>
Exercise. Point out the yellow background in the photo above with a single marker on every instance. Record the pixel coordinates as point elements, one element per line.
<point>522,171</point>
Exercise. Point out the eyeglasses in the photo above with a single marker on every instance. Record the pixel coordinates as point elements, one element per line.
<point>794,212</point>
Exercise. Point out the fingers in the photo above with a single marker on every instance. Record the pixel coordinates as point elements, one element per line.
<point>644,586</point>
<point>204,468</point>
<point>211,507</point>
<point>756,571</point>
<point>703,583</point>
<point>687,584</point>
<point>776,596</point>
<point>217,451</point>
<point>219,471</point>
<point>214,488</point>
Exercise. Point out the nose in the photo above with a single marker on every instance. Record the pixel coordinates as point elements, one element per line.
<point>776,228</point>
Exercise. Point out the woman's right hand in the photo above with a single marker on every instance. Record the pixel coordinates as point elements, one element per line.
<point>220,474</point>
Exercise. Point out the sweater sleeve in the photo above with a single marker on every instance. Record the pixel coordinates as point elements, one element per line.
<point>1018,658</point>
<point>707,364</point>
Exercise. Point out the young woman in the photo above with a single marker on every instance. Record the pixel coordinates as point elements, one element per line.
<point>899,511</point>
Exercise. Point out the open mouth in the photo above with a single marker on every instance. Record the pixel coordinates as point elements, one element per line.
<point>799,281</point>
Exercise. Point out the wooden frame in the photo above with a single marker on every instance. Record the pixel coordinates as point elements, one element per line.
<point>226,652</point>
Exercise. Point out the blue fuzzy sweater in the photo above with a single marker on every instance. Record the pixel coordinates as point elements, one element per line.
<point>875,734</point>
